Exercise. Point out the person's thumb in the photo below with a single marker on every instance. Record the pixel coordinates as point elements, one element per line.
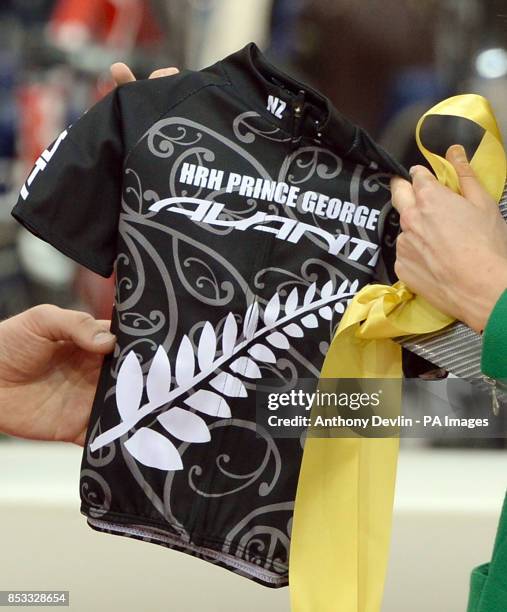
<point>164,72</point>
<point>471,188</point>
<point>56,324</point>
<point>122,74</point>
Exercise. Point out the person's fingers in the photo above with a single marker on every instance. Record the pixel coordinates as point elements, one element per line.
<point>53,323</point>
<point>471,187</point>
<point>164,72</point>
<point>122,74</point>
<point>422,178</point>
<point>402,194</point>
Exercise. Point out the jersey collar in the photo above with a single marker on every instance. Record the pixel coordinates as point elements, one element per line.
<point>276,96</point>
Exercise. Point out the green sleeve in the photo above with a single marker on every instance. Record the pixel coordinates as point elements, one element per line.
<point>494,345</point>
<point>488,586</point>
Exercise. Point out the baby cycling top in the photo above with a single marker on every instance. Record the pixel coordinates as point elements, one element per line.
<point>240,212</point>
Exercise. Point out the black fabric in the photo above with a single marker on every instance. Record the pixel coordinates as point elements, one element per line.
<point>221,282</point>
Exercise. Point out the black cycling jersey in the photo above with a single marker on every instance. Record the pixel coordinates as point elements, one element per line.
<point>240,212</point>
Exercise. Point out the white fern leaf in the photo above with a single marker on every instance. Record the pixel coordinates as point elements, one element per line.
<point>185,425</point>
<point>228,385</point>
<point>292,302</point>
<point>251,320</point>
<point>229,335</point>
<point>272,310</point>
<point>339,307</point>
<point>207,347</point>
<point>158,381</point>
<point>354,286</point>
<point>246,367</point>
<point>262,353</point>
<point>154,450</point>
<point>129,387</point>
<point>185,362</point>
<point>310,294</point>
<point>278,340</point>
<point>343,287</point>
<point>209,402</point>
<point>293,330</point>
<point>310,320</point>
<point>326,313</point>
<point>327,289</point>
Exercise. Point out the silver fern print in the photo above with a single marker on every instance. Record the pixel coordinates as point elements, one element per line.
<point>261,334</point>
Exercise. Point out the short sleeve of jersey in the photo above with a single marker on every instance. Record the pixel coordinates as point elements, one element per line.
<point>71,198</point>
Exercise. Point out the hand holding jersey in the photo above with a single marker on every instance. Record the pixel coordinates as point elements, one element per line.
<point>50,361</point>
<point>453,248</point>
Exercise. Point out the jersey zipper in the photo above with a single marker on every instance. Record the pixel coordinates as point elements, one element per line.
<point>297,118</point>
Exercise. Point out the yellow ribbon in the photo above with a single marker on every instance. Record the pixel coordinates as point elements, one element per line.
<point>343,512</point>
<point>489,161</point>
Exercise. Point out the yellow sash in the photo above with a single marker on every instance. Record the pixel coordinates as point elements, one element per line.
<point>342,519</point>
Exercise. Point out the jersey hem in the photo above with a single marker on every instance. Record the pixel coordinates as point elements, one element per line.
<point>208,549</point>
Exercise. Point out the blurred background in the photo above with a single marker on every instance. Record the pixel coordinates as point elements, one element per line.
<point>382,63</point>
